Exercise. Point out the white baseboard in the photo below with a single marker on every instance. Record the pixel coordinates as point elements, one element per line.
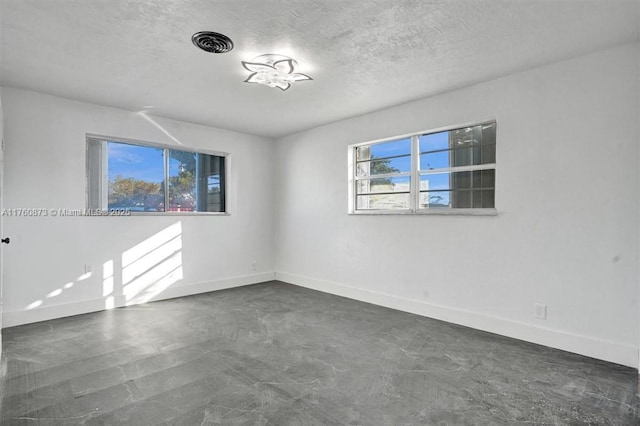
<point>13,318</point>
<point>606,350</point>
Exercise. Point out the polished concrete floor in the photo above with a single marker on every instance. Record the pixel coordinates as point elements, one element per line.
<point>276,354</point>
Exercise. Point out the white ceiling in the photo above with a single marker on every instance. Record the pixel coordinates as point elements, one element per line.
<point>363,55</point>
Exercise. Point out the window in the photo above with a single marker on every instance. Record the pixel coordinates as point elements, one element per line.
<point>445,171</point>
<point>151,178</point>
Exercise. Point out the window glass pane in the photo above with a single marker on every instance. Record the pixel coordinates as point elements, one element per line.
<point>382,202</point>
<point>210,183</point>
<point>434,182</point>
<point>384,149</point>
<point>141,178</point>
<point>466,137</point>
<point>196,182</point>
<point>484,178</point>
<point>461,180</point>
<point>489,134</point>
<point>476,199</point>
<point>394,184</point>
<point>434,142</point>
<point>461,199</point>
<point>435,199</point>
<point>182,181</point>
<point>481,198</point>
<point>135,177</point>
<point>470,148</point>
<point>435,160</point>
<point>474,156</point>
<point>465,156</point>
<point>462,147</point>
<point>488,154</point>
<point>458,180</point>
<point>488,198</point>
<point>457,190</point>
<point>389,165</point>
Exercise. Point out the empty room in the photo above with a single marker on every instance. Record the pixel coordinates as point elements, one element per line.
<point>292,212</point>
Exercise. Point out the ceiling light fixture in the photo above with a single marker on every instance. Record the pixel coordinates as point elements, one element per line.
<point>273,71</point>
<point>212,42</point>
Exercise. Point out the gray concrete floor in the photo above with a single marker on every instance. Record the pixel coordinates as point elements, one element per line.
<point>276,354</point>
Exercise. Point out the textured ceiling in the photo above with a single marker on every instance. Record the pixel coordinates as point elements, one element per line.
<point>364,55</point>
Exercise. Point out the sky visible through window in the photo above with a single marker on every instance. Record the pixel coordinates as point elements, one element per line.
<point>455,169</point>
<point>136,179</point>
<point>435,160</point>
<point>401,150</point>
<point>432,142</point>
<point>137,162</point>
<point>175,165</point>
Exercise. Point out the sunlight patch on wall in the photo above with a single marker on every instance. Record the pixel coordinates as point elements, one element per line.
<point>148,269</point>
<point>150,244</point>
<point>144,115</point>
<point>153,265</point>
<point>107,284</point>
<point>33,305</point>
<point>57,292</point>
<point>84,276</point>
<point>155,281</point>
<point>54,293</point>
<point>146,263</point>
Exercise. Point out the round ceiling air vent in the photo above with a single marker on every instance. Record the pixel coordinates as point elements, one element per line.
<point>212,42</point>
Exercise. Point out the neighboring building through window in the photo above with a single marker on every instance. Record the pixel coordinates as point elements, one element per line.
<point>151,178</point>
<point>427,172</point>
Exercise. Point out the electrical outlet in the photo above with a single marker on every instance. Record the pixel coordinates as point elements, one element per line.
<point>88,269</point>
<point>254,265</point>
<point>540,311</point>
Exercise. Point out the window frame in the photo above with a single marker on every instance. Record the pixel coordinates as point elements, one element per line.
<point>103,173</point>
<point>415,174</point>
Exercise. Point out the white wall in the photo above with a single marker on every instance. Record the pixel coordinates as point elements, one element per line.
<point>566,235</point>
<point>45,168</point>
<point>567,195</point>
<point>638,138</point>
<point>1,224</point>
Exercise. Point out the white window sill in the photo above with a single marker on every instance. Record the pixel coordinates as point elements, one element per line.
<point>156,214</point>
<point>433,212</point>
<point>180,214</point>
